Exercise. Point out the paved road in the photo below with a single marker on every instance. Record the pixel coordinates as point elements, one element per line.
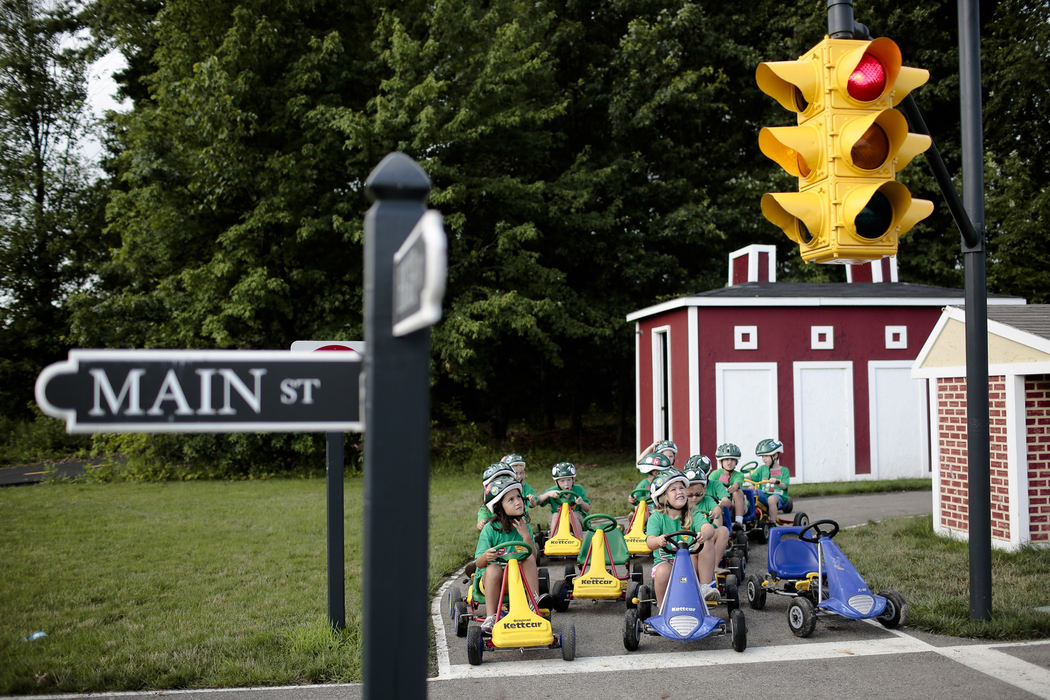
<point>841,659</point>
<point>35,473</point>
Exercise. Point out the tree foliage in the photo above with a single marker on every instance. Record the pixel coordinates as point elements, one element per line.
<point>590,157</point>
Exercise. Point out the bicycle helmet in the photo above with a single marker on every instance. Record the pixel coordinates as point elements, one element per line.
<point>666,445</point>
<point>696,476</point>
<point>500,487</point>
<point>698,463</point>
<point>727,450</point>
<point>664,480</point>
<point>769,446</point>
<point>496,469</point>
<point>653,461</point>
<point>563,470</point>
<point>513,459</point>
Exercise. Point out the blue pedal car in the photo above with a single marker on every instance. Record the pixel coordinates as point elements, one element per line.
<point>684,615</point>
<point>807,566</point>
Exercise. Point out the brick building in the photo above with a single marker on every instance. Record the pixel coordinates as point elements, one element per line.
<point>1019,422</point>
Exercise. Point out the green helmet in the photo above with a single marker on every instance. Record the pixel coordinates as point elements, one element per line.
<point>769,446</point>
<point>652,461</point>
<point>563,470</point>
<point>696,476</point>
<point>727,450</point>
<point>666,445</point>
<point>513,459</point>
<point>698,463</point>
<point>494,470</point>
<point>663,481</point>
<point>500,487</point>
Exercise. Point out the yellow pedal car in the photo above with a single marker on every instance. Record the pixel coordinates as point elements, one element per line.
<point>520,624</point>
<point>565,539</point>
<point>603,566</point>
<point>635,537</point>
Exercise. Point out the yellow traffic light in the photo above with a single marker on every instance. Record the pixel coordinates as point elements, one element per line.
<point>846,150</point>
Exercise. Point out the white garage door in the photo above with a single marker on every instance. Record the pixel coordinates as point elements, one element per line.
<point>747,404</point>
<point>824,438</point>
<point>898,422</point>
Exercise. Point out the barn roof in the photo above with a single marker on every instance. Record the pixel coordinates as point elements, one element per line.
<point>823,294</point>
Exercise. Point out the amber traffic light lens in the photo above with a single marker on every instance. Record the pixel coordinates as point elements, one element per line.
<point>868,79</point>
<point>803,168</point>
<point>872,149</point>
<point>800,101</point>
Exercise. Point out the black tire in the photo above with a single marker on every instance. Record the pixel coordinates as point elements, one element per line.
<point>801,520</point>
<point>475,646</point>
<point>738,626</point>
<point>568,642</point>
<point>732,593</point>
<point>756,594</point>
<point>544,581</point>
<point>637,572</point>
<point>560,593</point>
<point>451,598</point>
<point>645,605</point>
<point>736,567</point>
<point>461,618</point>
<point>631,594</point>
<point>763,533</point>
<point>896,611</point>
<point>632,630</point>
<point>802,617</point>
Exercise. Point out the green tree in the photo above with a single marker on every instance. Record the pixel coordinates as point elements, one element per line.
<point>48,203</point>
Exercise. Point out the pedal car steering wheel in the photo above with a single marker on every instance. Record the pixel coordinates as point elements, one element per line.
<point>818,531</point>
<point>562,493</point>
<point>641,494</point>
<point>748,468</point>
<point>673,546</point>
<point>608,526</point>
<point>507,556</point>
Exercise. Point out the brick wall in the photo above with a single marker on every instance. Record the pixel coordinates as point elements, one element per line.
<point>951,404</point>
<point>1037,412</point>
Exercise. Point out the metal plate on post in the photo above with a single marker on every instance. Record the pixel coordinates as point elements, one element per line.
<point>420,270</point>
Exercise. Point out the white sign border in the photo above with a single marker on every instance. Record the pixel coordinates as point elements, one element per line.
<point>435,244</point>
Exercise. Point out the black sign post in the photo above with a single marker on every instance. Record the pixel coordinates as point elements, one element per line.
<point>397,450</point>
<point>195,391</point>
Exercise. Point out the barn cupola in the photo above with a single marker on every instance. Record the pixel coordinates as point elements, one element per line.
<point>883,270</point>
<point>755,263</point>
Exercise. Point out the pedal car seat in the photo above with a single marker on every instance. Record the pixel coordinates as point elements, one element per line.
<point>791,558</point>
<point>614,540</point>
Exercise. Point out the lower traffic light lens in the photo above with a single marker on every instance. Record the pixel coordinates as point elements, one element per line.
<point>803,232</point>
<point>872,149</point>
<point>868,79</point>
<point>875,218</point>
<point>800,100</point>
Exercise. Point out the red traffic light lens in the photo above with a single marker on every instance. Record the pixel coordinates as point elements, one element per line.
<point>872,149</point>
<point>875,218</point>
<point>868,79</point>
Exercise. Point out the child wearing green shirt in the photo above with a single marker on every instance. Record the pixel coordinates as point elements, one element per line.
<point>715,537</point>
<point>774,493</point>
<point>564,474</point>
<point>728,456</point>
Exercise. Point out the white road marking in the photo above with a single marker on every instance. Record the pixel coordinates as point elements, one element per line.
<point>984,658</point>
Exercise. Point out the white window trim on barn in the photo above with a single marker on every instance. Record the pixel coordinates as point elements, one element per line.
<point>661,364</point>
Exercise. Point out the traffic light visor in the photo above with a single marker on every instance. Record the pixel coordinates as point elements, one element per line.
<point>879,209</point>
<point>872,71</point>
<point>881,139</point>
<point>797,149</point>
<point>794,84</point>
<point>797,214</point>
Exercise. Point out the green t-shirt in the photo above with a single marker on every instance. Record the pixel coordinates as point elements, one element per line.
<point>492,535</point>
<point>554,501</point>
<point>779,472</point>
<point>527,491</point>
<point>702,510</point>
<point>661,523</point>
<point>716,490</point>
<point>725,478</point>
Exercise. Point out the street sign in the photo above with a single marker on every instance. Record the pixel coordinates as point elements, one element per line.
<point>420,269</point>
<point>203,391</point>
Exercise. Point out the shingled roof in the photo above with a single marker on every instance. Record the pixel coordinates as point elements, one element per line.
<point>1030,318</point>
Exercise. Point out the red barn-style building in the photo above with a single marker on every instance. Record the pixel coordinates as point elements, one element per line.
<point>824,367</point>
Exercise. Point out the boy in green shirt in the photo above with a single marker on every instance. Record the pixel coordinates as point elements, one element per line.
<point>728,456</point>
<point>774,493</point>
<point>704,507</point>
<point>650,464</point>
<point>564,474</point>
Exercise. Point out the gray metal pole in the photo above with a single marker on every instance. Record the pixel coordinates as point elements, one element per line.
<point>336,560</point>
<point>974,258</point>
<point>840,19</point>
<point>397,457</point>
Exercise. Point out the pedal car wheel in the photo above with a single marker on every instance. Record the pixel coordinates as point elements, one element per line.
<point>732,593</point>
<point>736,566</point>
<point>763,533</point>
<point>544,581</point>
<point>631,594</point>
<point>475,646</point>
<point>637,572</point>
<point>739,627</point>
<point>451,598</point>
<point>801,520</point>
<point>645,605</point>
<point>560,593</point>
<point>756,594</point>
<point>802,617</point>
<point>568,642</point>
<point>461,618</point>
<point>632,630</point>
<point>570,572</point>
<point>896,609</point>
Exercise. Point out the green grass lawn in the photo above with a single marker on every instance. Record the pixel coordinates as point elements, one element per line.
<point>218,584</point>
